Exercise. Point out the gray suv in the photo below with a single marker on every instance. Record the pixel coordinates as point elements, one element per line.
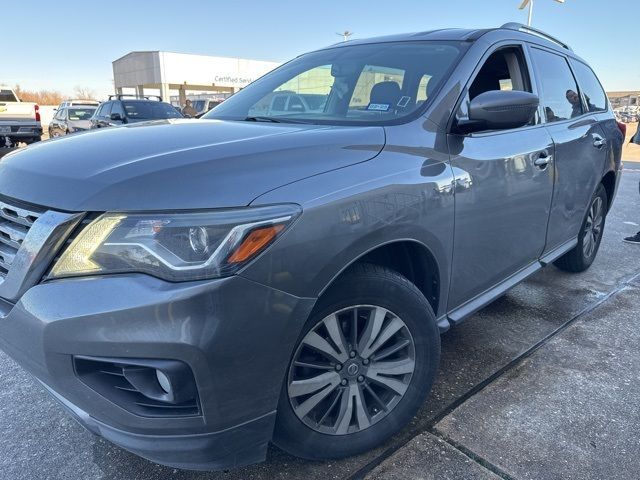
<point>194,290</point>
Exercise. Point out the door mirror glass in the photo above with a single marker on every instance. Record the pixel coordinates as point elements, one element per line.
<point>116,117</point>
<point>500,110</point>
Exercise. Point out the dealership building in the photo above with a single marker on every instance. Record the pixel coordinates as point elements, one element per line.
<point>152,72</point>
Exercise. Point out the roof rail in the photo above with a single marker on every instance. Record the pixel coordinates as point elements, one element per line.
<point>120,96</point>
<point>534,31</point>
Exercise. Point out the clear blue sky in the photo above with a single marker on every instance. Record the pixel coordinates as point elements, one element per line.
<point>58,45</point>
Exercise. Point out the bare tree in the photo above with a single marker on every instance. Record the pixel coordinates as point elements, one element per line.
<point>84,93</point>
<point>41,97</point>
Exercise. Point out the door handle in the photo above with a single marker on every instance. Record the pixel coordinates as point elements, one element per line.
<point>543,160</point>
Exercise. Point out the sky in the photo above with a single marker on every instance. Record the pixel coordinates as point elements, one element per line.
<point>61,45</point>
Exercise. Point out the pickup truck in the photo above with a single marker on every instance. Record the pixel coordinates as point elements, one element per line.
<point>19,121</point>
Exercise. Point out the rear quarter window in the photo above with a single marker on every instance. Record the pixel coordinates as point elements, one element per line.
<point>594,96</point>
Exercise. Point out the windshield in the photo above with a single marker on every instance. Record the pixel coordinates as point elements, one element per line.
<point>147,110</point>
<point>358,84</point>
<point>81,113</point>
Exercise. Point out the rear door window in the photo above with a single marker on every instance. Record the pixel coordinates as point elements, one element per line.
<point>559,92</point>
<point>594,96</point>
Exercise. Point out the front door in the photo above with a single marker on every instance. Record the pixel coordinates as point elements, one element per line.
<point>503,191</point>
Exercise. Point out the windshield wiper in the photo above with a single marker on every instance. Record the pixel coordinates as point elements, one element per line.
<point>262,118</point>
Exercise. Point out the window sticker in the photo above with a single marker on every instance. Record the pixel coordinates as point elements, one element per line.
<point>404,101</point>
<point>379,107</point>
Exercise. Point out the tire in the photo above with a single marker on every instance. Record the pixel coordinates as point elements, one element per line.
<point>584,253</point>
<point>378,301</point>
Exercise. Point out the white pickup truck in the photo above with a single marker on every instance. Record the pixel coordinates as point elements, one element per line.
<point>19,121</point>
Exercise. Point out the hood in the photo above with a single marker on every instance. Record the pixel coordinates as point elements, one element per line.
<point>179,164</point>
<point>82,124</point>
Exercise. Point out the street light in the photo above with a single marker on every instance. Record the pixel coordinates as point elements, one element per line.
<point>530,3</point>
<point>345,35</point>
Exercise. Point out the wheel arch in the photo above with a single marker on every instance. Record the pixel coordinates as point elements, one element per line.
<point>609,184</point>
<point>409,257</point>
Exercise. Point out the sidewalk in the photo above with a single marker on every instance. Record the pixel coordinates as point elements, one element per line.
<point>569,410</point>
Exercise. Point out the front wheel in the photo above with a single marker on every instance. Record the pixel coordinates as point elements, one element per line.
<point>363,366</point>
<point>584,253</point>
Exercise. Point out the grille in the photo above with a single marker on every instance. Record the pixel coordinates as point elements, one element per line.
<point>15,223</point>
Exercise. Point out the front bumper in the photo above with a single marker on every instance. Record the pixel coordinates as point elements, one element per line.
<point>235,335</point>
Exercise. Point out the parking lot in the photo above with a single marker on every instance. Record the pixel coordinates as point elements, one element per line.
<point>497,409</point>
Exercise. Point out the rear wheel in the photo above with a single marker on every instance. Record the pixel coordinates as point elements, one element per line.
<point>584,253</point>
<point>362,367</point>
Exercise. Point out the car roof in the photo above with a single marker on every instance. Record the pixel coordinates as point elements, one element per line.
<point>510,31</point>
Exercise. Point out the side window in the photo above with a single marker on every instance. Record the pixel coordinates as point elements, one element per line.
<point>106,110</point>
<point>279,103</point>
<point>560,97</point>
<point>596,99</point>
<point>117,108</point>
<point>423,87</point>
<point>505,69</point>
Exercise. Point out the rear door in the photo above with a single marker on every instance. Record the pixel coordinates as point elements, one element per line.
<point>504,185</point>
<point>580,146</point>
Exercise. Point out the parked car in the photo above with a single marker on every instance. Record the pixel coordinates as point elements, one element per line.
<point>202,106</point>
<point>123,109</point>
<point>78,103</point>
<point>193,290</point>
<point>627,117</point>
<point>19,121</point>
<point>71,120</point>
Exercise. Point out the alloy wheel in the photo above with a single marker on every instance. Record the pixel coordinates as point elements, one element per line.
<point>351,369</point>
<point>593,227</point>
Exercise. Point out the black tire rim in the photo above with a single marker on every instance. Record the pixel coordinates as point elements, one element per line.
<point>351,370</point>
<point>593,227</point>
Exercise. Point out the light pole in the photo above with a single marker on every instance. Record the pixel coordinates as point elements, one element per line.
<point>530,3</point>
<point>345,35</point>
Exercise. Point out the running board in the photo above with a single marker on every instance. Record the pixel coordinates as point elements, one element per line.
<point>558,251</point>
<point>460,313</point>
<point>472,306</point>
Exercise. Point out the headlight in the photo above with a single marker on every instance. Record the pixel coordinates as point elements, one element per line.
<point>174,246</point>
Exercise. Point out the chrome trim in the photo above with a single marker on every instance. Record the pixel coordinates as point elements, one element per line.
<point>23,217</point>
<point>36,250</point>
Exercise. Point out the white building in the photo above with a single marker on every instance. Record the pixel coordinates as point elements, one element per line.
<point>166,71</point>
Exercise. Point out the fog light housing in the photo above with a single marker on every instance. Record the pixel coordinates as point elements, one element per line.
<point>146,387</point>
<point>163,380</point>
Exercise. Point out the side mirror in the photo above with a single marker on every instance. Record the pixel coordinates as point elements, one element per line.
<point>116,117</point>
<point>500,110</point>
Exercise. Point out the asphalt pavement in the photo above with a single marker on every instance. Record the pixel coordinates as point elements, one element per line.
<point>539,384</point>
